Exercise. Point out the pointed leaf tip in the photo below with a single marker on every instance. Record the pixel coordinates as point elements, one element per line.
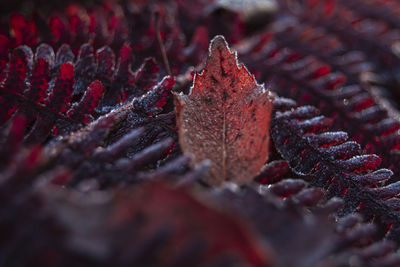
<point>219,42</point>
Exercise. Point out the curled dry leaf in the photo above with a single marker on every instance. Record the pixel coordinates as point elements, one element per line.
<point>225,118</point>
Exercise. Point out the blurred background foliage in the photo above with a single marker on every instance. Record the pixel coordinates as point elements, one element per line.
<point>45,6</point>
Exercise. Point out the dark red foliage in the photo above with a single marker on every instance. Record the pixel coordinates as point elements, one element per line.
<point>327,159</point>
<point>91,170</point>
<point>310,81</point>
<point>360,28</point>
<point>52,90</point>
<point>24,32</point>
<point>90,100</point>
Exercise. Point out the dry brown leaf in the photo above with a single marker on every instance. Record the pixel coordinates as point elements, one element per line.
<point>225,118</point>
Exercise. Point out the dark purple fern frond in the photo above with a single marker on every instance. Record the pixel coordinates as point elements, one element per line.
<point>357,29</point>
<point>330,161</point>
<point>311,82</point>
<point>58,95</point>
